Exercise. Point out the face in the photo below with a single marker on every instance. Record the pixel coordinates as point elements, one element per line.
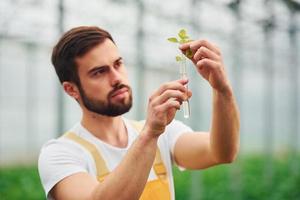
<point>104,85</point>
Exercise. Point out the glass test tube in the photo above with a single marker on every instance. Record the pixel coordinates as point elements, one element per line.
<point>183,74</point>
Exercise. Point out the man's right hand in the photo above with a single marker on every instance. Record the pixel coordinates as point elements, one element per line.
<point>163,105</point>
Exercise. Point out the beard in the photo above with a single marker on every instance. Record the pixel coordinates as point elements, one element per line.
<point>107,108</point>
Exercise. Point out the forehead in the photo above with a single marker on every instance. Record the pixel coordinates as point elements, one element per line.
<point>104,53</point>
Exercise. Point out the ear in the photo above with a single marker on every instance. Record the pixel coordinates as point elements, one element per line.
<point>71,89</point>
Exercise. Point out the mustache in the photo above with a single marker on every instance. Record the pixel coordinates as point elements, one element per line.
<point>118,87</point>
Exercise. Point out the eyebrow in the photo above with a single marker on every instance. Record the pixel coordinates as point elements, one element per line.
<point>103,66</point>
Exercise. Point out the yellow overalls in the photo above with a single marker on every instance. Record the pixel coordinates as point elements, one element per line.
<point>157,189</point>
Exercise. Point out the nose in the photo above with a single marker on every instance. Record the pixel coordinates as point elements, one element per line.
<point>115,77</point>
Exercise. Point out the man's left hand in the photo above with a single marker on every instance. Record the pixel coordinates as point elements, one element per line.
<point>209,63</point>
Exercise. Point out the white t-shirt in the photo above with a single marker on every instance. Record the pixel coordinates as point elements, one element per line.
<point>62,157</point>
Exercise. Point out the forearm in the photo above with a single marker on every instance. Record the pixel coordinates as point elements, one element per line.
<point>128,180</point>
<point>225,127</point>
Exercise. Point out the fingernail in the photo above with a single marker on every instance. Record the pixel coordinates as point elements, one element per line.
<point>186,97</point>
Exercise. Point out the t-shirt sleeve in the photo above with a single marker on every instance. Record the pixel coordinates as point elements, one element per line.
<point>174,130</point>
<point>57,160</point>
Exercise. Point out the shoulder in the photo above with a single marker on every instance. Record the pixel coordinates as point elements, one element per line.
<point>62,145</point>
<point>59,145</point>
<point>58,159</point>
<point>178,126</point>
<point>173,131</point>
<point>59,152</point>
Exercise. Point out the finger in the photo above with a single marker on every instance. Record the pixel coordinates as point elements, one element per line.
<point>189,93</point>
<point>185,46</point>
<point>207,67</point>
<point>207,63</point>
<point>171,103</point>
<point>204,52</point>
<point>168,94</point>
<point>195,45</point>
<point>174,85</point>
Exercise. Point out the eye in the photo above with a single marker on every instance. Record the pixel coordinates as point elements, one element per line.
<point>99,71</point>
<point>119,63</point>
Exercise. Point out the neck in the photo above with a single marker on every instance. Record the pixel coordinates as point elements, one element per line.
<point>111,130</point>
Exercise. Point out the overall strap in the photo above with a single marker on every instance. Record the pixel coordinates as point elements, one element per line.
<point>159,167</point>
<point>101,167</point>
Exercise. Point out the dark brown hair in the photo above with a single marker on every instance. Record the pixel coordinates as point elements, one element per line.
<point>75,43</point>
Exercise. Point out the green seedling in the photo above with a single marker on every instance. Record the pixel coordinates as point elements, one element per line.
<point>181,59</point>
<point>182,38</point>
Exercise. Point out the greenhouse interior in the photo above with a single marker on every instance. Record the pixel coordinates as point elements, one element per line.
<point>260,44</point>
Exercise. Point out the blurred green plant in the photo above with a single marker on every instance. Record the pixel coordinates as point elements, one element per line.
<point>216,183</point>
<point>18,183</point>
<point>246,179</point>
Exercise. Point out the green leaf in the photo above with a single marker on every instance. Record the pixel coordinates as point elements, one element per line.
<point>182,34</point>
<point>183,38</point>
<point>178,58</point>
<point>182,41</point>
<point>173,39</point>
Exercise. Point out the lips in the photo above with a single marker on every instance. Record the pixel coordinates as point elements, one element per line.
<point>119,92</point>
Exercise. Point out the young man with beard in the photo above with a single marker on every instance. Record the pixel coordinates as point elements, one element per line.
<point>106,156</point>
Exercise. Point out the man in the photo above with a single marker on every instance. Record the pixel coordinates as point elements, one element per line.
<point>106,156</point>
